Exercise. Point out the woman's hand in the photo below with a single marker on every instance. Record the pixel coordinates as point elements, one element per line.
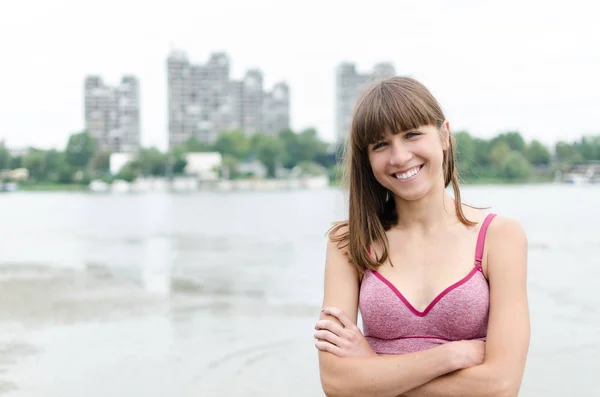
<point>345,340</point>
<point>467,353</point>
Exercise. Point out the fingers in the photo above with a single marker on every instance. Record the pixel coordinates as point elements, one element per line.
<point>328,347</point>
<point>340,315</point>
<point>330,326</point>
<point>328,336</point>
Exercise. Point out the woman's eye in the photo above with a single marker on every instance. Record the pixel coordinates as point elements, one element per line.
<point>379,145</point>
<point>412,134</point>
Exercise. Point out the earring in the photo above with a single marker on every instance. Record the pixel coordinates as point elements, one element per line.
<point>387,196</point>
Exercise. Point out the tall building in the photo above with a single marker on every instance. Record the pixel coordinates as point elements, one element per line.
<point>112,114</point>
<point>236,105</point>
<point>276,109</point>
<point>349,85</point>
<point>252,102</point>
<point>204,100</point>
<point>197,97</point>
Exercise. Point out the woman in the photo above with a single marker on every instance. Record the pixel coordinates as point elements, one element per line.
<point>441,286</point>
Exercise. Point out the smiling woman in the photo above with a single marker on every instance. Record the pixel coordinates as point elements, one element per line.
<point>441,286</point>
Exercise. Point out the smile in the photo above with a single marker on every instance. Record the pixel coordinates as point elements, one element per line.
<point>411,173</point>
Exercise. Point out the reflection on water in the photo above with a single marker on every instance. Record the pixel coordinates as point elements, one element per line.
<point>217,294</point>
<point>156,266</point>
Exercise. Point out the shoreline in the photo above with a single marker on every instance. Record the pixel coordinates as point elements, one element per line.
<point>77,188</point>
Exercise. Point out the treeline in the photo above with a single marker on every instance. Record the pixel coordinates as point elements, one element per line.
<point>286,151</point>
<point>80,162</point>
<point>506,157</point>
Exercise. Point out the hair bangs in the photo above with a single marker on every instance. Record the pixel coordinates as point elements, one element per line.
<point>393,106</point>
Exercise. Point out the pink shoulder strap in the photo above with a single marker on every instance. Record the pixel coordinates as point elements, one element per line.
<point>481,238</point>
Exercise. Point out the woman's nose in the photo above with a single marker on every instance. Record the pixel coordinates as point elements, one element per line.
<point>400,155</point>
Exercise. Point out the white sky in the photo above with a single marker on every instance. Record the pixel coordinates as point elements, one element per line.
<point>512,64</point>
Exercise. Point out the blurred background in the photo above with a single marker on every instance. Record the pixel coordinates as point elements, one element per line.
<point>169,170</point>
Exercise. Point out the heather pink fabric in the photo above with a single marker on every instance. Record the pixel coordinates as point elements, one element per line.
<point>393,326</point>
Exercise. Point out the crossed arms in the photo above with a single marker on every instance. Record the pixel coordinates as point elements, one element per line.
<point>442,371</point>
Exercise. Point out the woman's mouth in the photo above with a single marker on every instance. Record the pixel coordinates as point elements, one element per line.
<point>408,174</point>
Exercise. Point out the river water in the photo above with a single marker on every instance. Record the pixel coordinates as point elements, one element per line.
<point>216,294</point>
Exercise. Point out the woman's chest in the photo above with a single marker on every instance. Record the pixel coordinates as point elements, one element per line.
<point>458,312</point>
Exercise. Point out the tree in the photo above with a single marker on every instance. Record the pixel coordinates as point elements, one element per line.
<point>52,162</point>
<point>293,150</point>
<point>499,153</point>
<point>269,151</point>
<point>234,143</point>
<point>193,145</point>
<point>230,163</point>
<point>80,150</point>
<point>5,159</point>
<point>100,163</point>
<point>128,172</point>
<point>64,171</point>
<point>537,154</point>
<point>151,162</point>
<point>35,162</point>
<point>514,140</point>
<point>482,152</point>
<point>176,160</point>
<point>305,146</point>
<point>326,159</point>
<point>567,153</point>
<point>15,162</point>
<point>311,168</point>
<point>589,148</point>
<point>465,151</point>
<point>515,166</point>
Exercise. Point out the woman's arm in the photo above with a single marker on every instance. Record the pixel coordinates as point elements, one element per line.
<point>375,376</point>
<point>508,328</point>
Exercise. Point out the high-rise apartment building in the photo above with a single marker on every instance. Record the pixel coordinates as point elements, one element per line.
<point>197,97</point>
<point>204,100</point>
<point>349,85</point>
<point>112,114</point>
<point>252,102</point>
<point>276,109</point>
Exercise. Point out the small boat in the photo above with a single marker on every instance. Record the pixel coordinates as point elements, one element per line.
<point>8,187</point>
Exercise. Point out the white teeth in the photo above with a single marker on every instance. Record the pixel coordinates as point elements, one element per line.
<point>408,174</point>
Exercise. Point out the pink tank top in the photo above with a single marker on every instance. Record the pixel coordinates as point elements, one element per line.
<point>393,326</point>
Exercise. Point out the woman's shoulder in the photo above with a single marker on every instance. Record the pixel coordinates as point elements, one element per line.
<point>500,229</point>
<point>503,227</point>
<point>506,246</point>
<point>499,225</point>
<point>338,257</point>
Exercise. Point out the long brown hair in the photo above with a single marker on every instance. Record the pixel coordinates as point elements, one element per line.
<point>395,104</point>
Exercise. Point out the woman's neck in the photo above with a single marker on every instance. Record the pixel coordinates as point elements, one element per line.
<point>427,214</point>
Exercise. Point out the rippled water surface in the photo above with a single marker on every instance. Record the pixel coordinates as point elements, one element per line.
<point>217,294</point>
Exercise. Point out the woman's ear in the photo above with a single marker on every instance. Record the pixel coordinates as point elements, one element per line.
<point>445,134</point>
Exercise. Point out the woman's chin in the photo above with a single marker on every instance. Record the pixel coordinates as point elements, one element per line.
<point>414,193</point>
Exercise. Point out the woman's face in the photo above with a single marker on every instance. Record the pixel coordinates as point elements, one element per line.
<point>409,163</point>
